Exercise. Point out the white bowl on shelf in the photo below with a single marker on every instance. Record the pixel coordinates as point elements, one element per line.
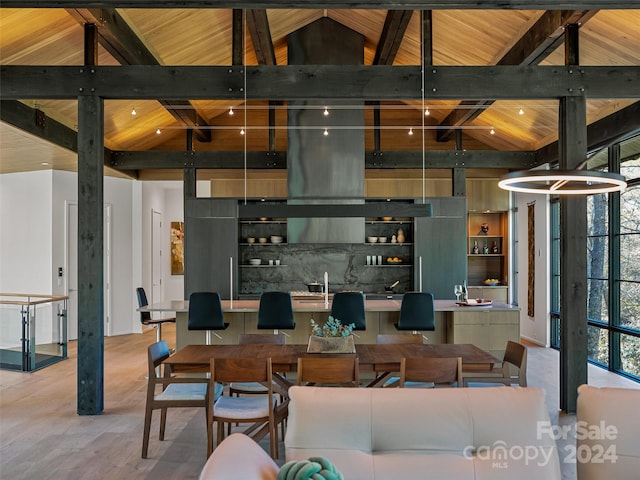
<point>255,261</point>
<point>372,239</point>
<point>276,239</point>
<point>382,239</point>
<point>262,240</point>
<point>251,239</point>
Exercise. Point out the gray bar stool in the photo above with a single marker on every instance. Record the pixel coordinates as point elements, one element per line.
<point>205,313</point>
<point>417,312</point>
<point>348,307</point>
<point>145,317</point>
<point>275,312</point>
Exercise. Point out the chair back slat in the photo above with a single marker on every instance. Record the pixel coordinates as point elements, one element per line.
<point>434,370</point>
<point>326,369</point>
<point>245,369</point>
<point>158,352</point>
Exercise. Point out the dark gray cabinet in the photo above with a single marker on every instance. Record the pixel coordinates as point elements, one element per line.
<point>440,246</point>
<point>211,246</point>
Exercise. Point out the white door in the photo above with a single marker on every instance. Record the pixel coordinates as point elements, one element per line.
<point>156,257</point>
<point>71,264</point>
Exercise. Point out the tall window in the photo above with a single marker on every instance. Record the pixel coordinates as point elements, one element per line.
<point>628,281</point>
<point>613,269</point>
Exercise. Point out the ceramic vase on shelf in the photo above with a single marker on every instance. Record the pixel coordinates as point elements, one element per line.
<point>400,236</point>
<point>394,239</point>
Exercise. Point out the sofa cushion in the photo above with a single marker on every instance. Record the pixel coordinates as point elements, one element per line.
<point>610,417</point>
<point>238,457</point>
<point>402,433</point>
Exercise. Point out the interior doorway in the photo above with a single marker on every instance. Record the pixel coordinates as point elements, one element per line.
<point>156,257</point>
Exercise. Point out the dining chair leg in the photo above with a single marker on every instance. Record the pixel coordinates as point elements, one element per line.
<point>147,429</point>
<point>163,422</point>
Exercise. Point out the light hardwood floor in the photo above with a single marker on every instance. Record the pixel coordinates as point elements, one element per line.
<point>41,436</point>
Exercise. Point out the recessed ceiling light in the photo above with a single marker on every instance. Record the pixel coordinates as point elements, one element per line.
<point>410,131</point>
<point>427,112</point>
<point>231,112</point>
<point>326,132</point>
<point>326,112</point>
<point>158,132</point>
<point>492,131</point>
<point>242,131</point>
<point>521,111</point>
<point>133,111</point>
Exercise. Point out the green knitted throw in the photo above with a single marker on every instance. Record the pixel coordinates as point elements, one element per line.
<point>316,468</point>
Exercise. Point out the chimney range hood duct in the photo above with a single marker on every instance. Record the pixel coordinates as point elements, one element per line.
<point>325,169</point>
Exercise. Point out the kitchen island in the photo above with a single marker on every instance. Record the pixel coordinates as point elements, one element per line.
<point>487,327</point>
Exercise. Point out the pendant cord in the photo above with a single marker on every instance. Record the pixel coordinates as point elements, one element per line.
<point>244,68</point>
<point>422,50</point>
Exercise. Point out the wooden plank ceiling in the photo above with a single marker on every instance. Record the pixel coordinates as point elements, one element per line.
<point>204,37</point>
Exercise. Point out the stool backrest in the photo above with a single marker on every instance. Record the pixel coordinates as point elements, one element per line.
<point>348,307</point>
<point>205,311</point>
<point>275,311</point>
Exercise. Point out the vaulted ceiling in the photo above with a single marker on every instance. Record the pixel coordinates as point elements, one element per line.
<point>172,36</point>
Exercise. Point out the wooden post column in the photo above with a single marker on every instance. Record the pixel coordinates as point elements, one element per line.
<point>572,141</point>
<point>90,243</point>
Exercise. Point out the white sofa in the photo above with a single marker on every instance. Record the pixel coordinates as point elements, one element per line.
<point>238,457</point>
<point>608,433</point>
<point>448,434</point>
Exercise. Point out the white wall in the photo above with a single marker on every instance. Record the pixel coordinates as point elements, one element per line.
<point>25,251</point>
<point>25,232</point>
<point>536,328</point>
<point>32,238</point>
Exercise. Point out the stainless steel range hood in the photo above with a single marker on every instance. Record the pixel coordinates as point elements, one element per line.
<point>325,166</point>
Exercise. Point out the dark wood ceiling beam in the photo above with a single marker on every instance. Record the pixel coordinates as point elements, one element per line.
<point>290,82</point>
<point>334,4</point>
<point>237,37</point>
<point>258,26</point>
<point>534,46</point>
<point>115,35</point>
<point>38,124</point>
<point>154,159</point>
<point>602,133</point>
<point>395,25</point>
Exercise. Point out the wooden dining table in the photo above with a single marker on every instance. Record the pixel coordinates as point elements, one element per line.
<point>380,359</point>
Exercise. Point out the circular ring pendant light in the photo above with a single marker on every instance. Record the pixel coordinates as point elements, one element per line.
<point>563,182</point>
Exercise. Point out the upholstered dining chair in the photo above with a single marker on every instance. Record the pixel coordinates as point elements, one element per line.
<point>435,370</point>
<point>261,411</point>
<point>253,388</point>
<point>145,317</point>
<point>348,307</point>
<point>175,392</point>
<point>513,370</point>
<point>326,369</point>
<point>275,312</point>
<point>417,312</point>
<point>402,339</point>
<point>205,313</point>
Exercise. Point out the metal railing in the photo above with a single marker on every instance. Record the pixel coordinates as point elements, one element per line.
<point>26,344</point>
